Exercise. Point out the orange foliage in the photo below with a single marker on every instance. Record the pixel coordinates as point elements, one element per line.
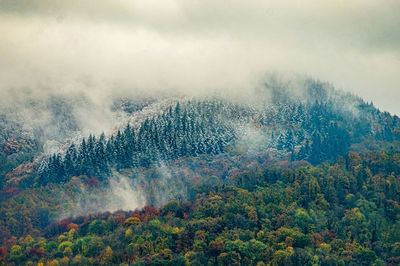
<point>73,226</point>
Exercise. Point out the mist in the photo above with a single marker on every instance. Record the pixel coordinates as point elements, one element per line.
<point>120,194</point>
<point>104,49</point>
<point>127,190</point>
<point>64,65</point>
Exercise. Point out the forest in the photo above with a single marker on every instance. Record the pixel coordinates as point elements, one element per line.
<point>311,181</point>
<point>342,213</point>
<point>315,131</point>
<point>191,133</point>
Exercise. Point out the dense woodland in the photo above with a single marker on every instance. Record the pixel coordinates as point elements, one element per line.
<point>188,131</point>
<point>315,131</point>
<point>344,213</point>
<point>315,182</point>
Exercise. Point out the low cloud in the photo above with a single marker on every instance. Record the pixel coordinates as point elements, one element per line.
<point>125,191</point>
<point>120,194</point>
<point>103,48</point>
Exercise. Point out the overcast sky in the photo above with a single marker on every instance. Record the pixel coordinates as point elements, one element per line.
<point>111,46</point>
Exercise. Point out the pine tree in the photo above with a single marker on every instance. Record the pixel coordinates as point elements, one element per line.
<point>70,160</point>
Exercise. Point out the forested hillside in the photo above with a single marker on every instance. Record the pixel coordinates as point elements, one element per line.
<point>316,128</point>
<point>346,213</point>
<point>285,178</point>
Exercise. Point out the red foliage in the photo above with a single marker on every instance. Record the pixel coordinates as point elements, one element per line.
<point>11,191</point>
<point>149,212</point>
<point>63,224</point>
<point>119,216</point>
<point>330,234</point>
<point>40,252</point>
<point>3,252</point>
<point>137,214</point>
<point>12,241</point>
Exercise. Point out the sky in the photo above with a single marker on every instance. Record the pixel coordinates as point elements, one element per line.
<point>112,47</point>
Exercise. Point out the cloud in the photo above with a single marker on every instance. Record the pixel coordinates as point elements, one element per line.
<point>120,194</point>
<point>103,48</point>
<point>156,187</point>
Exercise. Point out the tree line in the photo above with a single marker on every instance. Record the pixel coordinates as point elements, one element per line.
<point>185,130</point>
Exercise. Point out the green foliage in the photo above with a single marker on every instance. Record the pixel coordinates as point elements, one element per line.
<point>345,213</point>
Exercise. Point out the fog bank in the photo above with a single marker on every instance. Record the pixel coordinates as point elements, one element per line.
<point>103,48</point>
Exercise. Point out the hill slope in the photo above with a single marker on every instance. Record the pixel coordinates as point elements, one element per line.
<point>213,158</point>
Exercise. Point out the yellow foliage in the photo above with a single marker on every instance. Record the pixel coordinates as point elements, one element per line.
<point>53,263</point>
<point>325,246</point>
<point>71,234</point>
<point>42,242</point>
<point>282,257</point>
<point>28,239</point>
<point>107,254</point>
<point>16,249</point>
<point>77,259</point>
<point>172,230</point>
<point>215,198</point>
<point>128,233</point>
<point>200,234</point>
<point>132,221</point>
<point>166,253</point>
<point>62,238</point>
<point>67,251</point>
<point>290,250</point>
<point>251,213</point>
<point>64,261</point>
<point>177,230</point>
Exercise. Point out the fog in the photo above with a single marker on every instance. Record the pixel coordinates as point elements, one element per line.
<point>108,48</point>
<point>120,194</point>
<point>125,191</point>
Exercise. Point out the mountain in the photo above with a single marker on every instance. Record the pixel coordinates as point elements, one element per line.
<point>297,174</point>
<point>319,127</point>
